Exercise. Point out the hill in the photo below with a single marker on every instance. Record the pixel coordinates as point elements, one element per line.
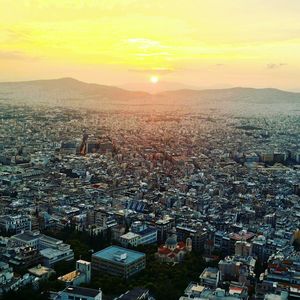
<point>74,93</point>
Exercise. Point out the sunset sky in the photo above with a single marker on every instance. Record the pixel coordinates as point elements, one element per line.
<point>207,44</point>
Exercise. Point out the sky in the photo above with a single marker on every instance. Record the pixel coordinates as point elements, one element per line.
<point>206,44</point>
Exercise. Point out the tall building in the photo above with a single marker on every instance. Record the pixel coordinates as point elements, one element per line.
<point>197,234</point>
<point>243,248</point>
<point>164,226</point>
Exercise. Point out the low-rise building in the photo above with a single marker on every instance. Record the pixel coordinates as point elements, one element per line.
<point>41,272</point>
<point>118,261</point>
<point>210,277</point>
<point>135,294</point>
<point>76,293</point>
<point>81,275</point>
<point>52,256</point>
<point>15,224</point>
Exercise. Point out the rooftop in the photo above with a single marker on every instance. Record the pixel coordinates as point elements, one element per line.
<point>111,252</point>
<point>40,270</point>
<point>135,293</point>
<point>130,235</point>
<point>70,276</point>
<point>51,253</point>
<point>210,273</point>
<point>80,291</point>
<point>26,236</point>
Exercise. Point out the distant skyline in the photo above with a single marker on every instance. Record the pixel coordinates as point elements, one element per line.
<point>204,44</point>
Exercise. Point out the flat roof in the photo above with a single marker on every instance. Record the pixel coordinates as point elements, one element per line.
<point>80,291</point>
<point>26,237</point>
<point>51,253</point>
<point>69,277</point>
<point>81,261</point>
<point>50,239</point>
<point>129,235</point>
<point>135,293</point>
<point>209,273</point>
<point>110,252</point>
<point>40,270</point>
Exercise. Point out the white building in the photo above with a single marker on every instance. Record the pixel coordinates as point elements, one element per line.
<point>15,224</point>
<point>52,250</point>
<point>74,293</point>
<point>139,234</point>
<point>52,256</point>
<point>130,238</point>
<point>82,274</point>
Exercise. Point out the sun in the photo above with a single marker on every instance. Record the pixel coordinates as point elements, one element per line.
<point>154,79</point>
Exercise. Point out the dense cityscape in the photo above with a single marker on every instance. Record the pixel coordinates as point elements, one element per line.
<point>144,204</point>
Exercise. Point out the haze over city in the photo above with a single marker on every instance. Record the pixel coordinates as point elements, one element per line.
<point>201,44</point>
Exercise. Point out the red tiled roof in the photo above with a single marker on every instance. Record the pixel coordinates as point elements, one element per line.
<point>163,250</point>
<point>181,245</point>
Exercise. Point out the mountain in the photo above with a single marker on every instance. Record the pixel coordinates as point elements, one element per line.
<point>71,92</point>
<point>240,94</point>
<point>64,90</point>
<point>161,86</point>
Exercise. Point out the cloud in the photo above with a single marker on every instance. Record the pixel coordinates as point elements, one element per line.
<point>275,66</point>
<point>143,43</point>
<point>16,55</point>
<point>159,71</point>
<point>153,54</point>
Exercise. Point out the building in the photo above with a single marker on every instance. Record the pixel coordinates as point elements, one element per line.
<point>8,282</point>
<point>41,272</point>
<point>81,275</point>
<point>243,248</point>
<point>210,277</point>
<point>237,268</point>
<point>163,227</point>
<point>134,294</point>
<point>238,290</point>
<point>118,261</point>
<point>139,234</point>
<point>15,224</point>
<point>258,247</point>
<point>51,256</point>
<point>6,274</point>
<point>197,234</point>
<point>173,251</point>
<point>50,249</point>
<point>193,290</point>
<point>148,235</point>
<point>27,238</point>
<point>22,257</point>
<point>130,238</point>
<point>46,241</point>
<point>79,293</point>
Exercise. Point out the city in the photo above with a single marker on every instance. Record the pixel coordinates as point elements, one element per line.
<point>128,194</point>
<point>149,150</point>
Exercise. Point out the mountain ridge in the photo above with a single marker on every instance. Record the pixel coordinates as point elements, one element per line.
<point>76,81</point>
<point>72,92</point>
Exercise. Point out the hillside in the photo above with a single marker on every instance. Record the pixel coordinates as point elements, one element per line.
<point>74,93</point>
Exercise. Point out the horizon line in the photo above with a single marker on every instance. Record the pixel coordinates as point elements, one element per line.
<point>294,91</point>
